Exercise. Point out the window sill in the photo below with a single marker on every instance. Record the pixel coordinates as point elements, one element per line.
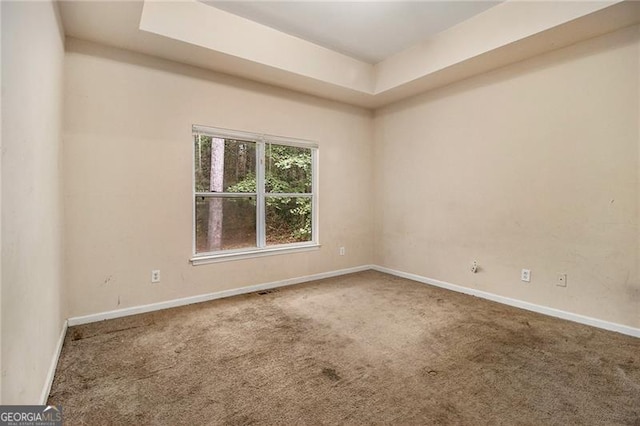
<point>224,257</point>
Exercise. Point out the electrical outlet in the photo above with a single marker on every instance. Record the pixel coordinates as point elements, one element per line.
<point>474,266</point>
<point>562,280</point>
<point>525,275</point>
<point>341,251</point>
<point>155,276</point>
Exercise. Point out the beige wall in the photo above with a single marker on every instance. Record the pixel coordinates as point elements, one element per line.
<point>128,157</point>
<point>32,317</point>
<point>1,370</point>
<point>532,166</point>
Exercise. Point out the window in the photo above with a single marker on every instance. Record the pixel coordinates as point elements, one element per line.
<point>253,194</point>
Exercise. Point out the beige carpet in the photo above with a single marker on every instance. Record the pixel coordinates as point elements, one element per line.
<point>366,348</point>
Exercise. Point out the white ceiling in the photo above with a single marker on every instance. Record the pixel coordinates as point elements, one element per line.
<point>367,30</point>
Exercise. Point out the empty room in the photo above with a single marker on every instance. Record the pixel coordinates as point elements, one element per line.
<point>307,212</point>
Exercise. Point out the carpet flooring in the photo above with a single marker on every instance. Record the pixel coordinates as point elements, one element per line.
<point>365,348</point>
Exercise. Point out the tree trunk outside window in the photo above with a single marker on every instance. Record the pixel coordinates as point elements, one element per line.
<point>216,184</point>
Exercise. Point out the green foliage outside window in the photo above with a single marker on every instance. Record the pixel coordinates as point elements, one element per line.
<point>287,171</point>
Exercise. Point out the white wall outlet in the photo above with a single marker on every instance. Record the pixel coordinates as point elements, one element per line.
<point>525,275</point>
<point>341,251</point>
<point>155,276</point>
<point>562,280</point>
<point>474,266</point>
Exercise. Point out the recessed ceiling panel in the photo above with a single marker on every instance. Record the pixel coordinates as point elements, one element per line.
<point>367,30</point>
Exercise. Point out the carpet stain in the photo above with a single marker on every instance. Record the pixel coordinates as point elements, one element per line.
<point>263,292</point>
<point>331,374</point>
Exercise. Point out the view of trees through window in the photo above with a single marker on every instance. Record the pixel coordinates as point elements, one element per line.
<point>226,187</point>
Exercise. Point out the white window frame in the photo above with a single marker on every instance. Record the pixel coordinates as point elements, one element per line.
<point>261,249</point>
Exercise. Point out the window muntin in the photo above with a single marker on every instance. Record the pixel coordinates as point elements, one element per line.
<point>252,193</point>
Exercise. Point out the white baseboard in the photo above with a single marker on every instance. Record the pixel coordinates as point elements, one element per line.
<point>582,319</point>
<point>52,367</point>
<point>209,296</point>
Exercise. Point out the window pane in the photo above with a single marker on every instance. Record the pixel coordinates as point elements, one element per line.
<point>287,169</point>
<point>288,220</point>
<point>224,165</point>
<point>225,223</point>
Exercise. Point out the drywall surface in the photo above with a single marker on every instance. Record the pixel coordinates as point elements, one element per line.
<point>32,78</point>
<point>1,370</point>
<point>504,24</point>
<point>531,166</point>
<point>191,22</point>
<point>128,177</point>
